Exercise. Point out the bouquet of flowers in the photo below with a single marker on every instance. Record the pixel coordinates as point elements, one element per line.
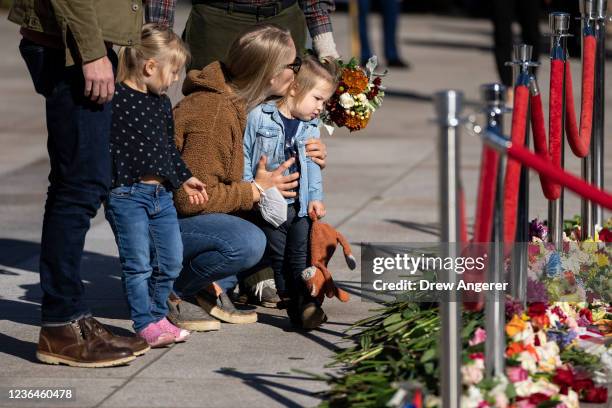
<point>358,96</point>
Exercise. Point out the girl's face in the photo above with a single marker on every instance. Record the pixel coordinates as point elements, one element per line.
<point>279,84</point>
<point>311,105</point>
<point>159,77</point>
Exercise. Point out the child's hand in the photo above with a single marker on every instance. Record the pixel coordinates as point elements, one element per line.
<point>316,207</point>
<point>196,190</point>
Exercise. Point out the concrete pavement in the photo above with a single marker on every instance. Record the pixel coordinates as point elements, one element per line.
<point>380,186</point>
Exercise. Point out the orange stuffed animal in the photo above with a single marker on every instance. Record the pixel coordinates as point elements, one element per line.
<point>323,242</point>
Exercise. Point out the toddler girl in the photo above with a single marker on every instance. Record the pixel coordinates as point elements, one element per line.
<point>146,169</point>
<point>278,130</point>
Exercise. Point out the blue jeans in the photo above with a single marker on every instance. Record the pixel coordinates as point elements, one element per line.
<point>390,12</point>
<point>146,229</point>
<point>217,248</point>
<point>78,145</point>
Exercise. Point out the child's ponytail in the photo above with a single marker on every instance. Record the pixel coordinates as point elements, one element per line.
<point>156,42</point>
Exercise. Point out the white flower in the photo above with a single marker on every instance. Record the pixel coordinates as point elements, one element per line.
<point>528,362</point>
<point>527,388</point>
<point>596,349</point>
<point>472,399</point>
<point>606,360</point>
<point>499,392</point>
<point>526,336</point>
<point>571,399</point>
<point>362,98</point>
<point>549,356</point>
<point>501,400</point>
<point>473,373</point>
<point>347,101</point>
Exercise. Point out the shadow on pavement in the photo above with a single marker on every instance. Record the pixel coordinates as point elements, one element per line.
<point>101,275</point>
<point>284,324</point>
<point>261,382</point>
<point>429,228</point>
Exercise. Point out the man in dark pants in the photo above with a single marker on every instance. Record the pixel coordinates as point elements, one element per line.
<point>527,13</point>
<point>214,24</point>
<point>66,46</point>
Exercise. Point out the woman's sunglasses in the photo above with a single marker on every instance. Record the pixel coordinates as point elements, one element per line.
<point>295,65</point>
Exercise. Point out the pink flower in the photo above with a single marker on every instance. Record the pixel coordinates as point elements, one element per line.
<point>524,404</point>
<point>479,337</point>
<point>516,374</point>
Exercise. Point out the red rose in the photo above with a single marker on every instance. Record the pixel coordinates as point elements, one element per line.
<point>586,313</point>
<point>582,381</point>
<point>537,398</point>
<point>377,81</point>
<point>596,395</point>
<point>582,384</point>
<point>605,235</point>
<point>557,310</point>
<point>536,309</point>
<point>476,356</point>
<point>564,378</point>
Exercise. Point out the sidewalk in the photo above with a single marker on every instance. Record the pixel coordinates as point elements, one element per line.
<point>381,186</point>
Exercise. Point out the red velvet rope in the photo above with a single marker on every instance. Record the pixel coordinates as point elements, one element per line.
<point>513,167</point>
<point>483,221</point>
<point>557,175</point>
<point>554,114</point>
<point>551,190</point>
<point>580,142</point>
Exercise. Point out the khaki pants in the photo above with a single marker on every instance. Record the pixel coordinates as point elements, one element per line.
<point>210,31</point>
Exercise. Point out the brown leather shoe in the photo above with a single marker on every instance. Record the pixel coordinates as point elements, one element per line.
<point>137,344</point>
<point>76,345</point>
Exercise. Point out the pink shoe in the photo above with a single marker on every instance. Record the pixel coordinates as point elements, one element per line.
<point>155,336</point>
<point>179,334</point>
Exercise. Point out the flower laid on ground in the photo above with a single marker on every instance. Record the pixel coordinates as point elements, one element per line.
<point>359,94</point>
<point>581,271</point>
<point>555,357</point>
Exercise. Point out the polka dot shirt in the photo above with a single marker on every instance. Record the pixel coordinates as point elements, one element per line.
<point>142,139</point>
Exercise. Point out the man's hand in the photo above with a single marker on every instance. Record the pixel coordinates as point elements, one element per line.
<point>99,80</point>
<point>196,190</point>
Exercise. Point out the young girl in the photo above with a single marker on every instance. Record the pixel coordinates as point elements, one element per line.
<point>146,169</point>
<point>278,130</point>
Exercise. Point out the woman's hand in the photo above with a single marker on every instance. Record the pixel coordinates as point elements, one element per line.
<point>196,190</point>
<point>317,151</point>
<point>317,208</point>
<point>268,179</point>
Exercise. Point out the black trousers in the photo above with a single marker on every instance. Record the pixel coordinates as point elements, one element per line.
<point>527,13</point>
<point>287,251</point>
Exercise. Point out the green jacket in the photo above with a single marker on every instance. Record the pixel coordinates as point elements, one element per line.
<point>90,23</point>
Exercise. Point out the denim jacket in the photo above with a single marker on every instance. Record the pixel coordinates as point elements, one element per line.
<point>265,136</point>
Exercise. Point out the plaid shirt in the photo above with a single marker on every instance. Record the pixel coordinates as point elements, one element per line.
<point>160,12</point>
<point>316,13</point>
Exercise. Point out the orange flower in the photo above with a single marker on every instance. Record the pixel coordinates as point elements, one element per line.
<point>517,348</point>
<point>540,322</point>
<point>355,123</point>
<point>355,80</point>
<point>515,326</point>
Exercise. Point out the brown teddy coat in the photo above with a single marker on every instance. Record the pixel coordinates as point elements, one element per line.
<point>209,129</point>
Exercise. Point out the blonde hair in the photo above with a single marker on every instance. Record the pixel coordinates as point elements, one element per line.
<point>311,72</point>
<point>156,42</point>
<point>255,57</point>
